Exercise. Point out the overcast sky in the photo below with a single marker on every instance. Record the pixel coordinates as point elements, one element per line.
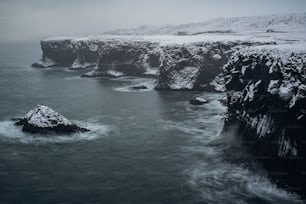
<point>35,19</point>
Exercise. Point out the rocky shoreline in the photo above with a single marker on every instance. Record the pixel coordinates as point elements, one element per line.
<point>264,82</point>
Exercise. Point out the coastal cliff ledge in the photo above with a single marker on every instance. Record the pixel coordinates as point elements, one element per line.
<point>177,62</point>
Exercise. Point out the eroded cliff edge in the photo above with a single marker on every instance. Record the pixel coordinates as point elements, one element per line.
<point>186,63</point>
<point>266,99</point>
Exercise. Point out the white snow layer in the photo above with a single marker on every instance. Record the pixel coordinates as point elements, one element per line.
<point>202,100</point>
<point>269,23</point>
<point>43,116</point>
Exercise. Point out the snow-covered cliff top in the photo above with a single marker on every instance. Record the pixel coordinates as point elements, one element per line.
<point>280,69</point>
<point>282,52</point>
<point>167,39</point>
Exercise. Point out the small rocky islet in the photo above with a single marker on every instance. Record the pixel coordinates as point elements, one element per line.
<point>44,120</point>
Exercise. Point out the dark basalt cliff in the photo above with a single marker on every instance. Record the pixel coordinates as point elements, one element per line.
<point>131,58</point>
<point>191,66</point>
<point>67,52</point>
<point>266,99</point>
<point>194,66</point>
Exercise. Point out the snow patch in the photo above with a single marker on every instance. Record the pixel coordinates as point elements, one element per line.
<point>216,57</point>
<point>273,87</point>
<point>78,64</point>
<point>43,116</point>
<point>114,73</point>
<point>286,91</point>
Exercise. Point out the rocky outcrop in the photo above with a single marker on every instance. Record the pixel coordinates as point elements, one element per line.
<point>198,101</point>
<point>110,57</point>
<point>140,87</point>
<point>176,66</point>
<point>43,119</point>
<point>266,99</point>
<point>131,58</point>
<point>192,67</point>
<point>72,52</point>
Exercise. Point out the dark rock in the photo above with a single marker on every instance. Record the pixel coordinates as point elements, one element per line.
<point>140,87</point>
<point>223,101</point>
<point>38,65</point>
<point>44,63</point>
<point>270,31</point>
<point>43,119</point>
<point>198,101</point>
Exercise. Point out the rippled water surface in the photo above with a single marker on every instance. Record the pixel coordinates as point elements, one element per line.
<point>144,147</point>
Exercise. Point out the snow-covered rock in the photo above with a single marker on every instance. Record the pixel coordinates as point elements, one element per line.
<point>44,63</point>
<point>266,97</point>
<point>198,101</point>
<point>216,57</point>
<point>43,119</point>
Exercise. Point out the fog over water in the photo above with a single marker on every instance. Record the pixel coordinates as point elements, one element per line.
<point>36,19</point>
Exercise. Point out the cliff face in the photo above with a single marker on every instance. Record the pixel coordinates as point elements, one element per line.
<point>194,66</point>
<point>69,52</point>
<point>177,66</point>
<point>132,58</point>
<point>266,99</point>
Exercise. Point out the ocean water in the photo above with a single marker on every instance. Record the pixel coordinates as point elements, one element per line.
<point>144,146</point>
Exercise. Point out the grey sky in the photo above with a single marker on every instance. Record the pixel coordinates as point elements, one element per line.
<point>35,19</point>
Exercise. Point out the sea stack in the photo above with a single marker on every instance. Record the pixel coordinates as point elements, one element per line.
<point>43,119</point>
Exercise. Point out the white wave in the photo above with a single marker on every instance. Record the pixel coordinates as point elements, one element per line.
<point>12,133</point>
<point>234,182</point>
<point>181,126</point>
<point>217,180</point>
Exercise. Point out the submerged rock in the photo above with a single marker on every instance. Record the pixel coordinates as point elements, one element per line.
<point>140,87</point>
<point>38,65</point>
<point>44,63</point>
<point>198,101</point>
<point>43,119</point>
